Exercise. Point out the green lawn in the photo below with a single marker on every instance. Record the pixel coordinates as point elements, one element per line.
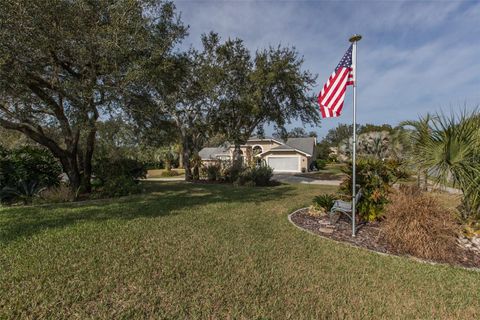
<point>332,171</point>
<point>209,251</point>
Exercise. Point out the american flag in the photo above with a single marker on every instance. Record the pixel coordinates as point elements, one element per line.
<point>332,95</point>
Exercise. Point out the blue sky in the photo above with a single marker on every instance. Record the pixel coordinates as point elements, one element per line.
<point>415,57</point>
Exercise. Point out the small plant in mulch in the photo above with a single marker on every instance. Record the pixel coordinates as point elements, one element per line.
<point>324,201</point>
<point>315,211</point>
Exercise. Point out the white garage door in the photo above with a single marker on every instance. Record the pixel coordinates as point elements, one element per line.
<point>285,164</point>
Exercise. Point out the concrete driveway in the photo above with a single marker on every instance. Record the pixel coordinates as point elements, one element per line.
<point>291,178</point>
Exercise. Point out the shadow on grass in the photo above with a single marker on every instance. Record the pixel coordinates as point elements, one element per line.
<point>160,199</point>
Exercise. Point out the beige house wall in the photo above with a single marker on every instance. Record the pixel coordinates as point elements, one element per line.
<point>266,145</point>
<point>248,147</point>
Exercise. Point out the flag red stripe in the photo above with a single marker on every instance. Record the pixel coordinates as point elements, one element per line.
<point>338,105</point>
<point>341,84</point>
<point>336,83</point>
<point>332,95</point>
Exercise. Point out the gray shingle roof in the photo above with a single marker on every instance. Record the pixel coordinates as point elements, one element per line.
<point>303,144</point>
<point>283,147</point>
<point>211,153</point>
<point>306,145</point>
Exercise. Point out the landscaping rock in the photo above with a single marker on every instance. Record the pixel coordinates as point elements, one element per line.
<point>326,230</point>
<point>370,236</point>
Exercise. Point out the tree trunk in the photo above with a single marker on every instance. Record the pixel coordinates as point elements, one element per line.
<point>76,165</point>
<point>180,158</point>
<point>196,172</point>
<point>70,167</point>
<point>186,158</point>
<point>168,165</point>
<point>237,158</point>
<point>87,160</point>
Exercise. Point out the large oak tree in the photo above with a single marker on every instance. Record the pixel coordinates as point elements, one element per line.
<point>181,104</point>
<point>269,87</point>
<point>63,65</point>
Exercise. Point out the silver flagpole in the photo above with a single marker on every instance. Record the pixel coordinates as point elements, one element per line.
<point>354,39</point>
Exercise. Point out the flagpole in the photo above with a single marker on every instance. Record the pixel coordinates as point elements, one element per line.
<point>354,39</point>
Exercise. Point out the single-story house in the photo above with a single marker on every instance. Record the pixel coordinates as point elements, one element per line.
<point>292,155</point>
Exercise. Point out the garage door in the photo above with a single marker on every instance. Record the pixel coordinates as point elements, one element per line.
<point>285,164</point>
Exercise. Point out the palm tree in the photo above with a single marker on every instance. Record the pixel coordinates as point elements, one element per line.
<point>448,147</point>
<point>418,136</point>
<point>399,145</point>
<point>168,155</point>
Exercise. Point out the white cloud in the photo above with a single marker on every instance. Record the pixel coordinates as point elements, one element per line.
<point>414,58</point>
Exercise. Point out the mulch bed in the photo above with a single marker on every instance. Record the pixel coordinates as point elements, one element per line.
<point>368,236</point>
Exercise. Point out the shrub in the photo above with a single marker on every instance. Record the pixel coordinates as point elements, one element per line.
<point>28,165</point>
<point>324,201</point>
<point>231,173</point>
<point>415,224</point>
<point>118,187</point>
<point>106,169</point>
<point>255,176</point>
<point>262,175</point>
<point>169,173</point>
<point>117,177</point>
<point>212,172</point>
<point>57,194</point>
<point>376,178</point>
<point>24,191</point>
<point>321,164</point>
<point>24,172</point>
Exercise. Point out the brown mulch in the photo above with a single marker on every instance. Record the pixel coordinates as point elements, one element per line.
<point>368,236</point>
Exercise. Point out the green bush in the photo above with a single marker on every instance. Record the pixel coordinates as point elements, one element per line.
<point>375,177</point>
<point>117,177</point>
<point>28,165</point>
<point>321,164</point>
<point>23,191</point>
<point>231,173</point>
<point>255,176</point>
<point>105,169</point>
<point>24,172</point>
<point>324,201</point>
<point>262,175</point>
<point>118,187</point>
<point>169,173</point>
<point>212,172</point>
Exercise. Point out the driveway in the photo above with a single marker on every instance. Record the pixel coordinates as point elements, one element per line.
<point>291,178</point>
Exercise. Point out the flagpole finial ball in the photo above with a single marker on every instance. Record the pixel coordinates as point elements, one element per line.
<point>355,38</point>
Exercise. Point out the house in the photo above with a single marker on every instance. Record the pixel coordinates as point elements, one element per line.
<point>292,155</point>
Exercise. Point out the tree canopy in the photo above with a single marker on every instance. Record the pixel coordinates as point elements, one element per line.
<point>63,65</point>
<point>268,87</point>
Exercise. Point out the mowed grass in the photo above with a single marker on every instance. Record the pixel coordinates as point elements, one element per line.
<point>332,171</point>
<point>186,251</point>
